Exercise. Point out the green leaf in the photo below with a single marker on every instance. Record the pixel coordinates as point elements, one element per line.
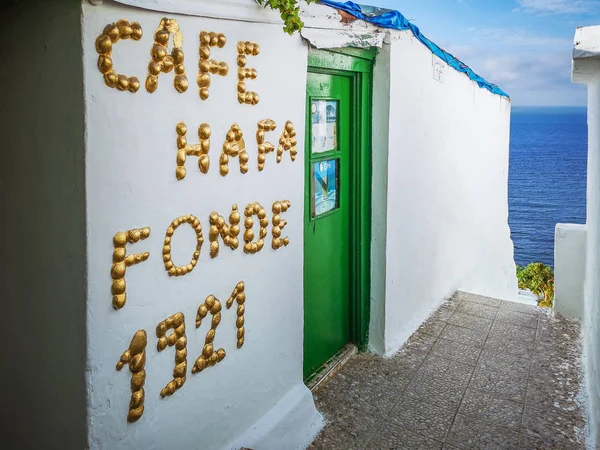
<point>289,11</point>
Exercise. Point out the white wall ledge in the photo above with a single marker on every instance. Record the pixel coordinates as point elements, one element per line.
<point>243,10</point>
<point>570,242</point>
<point>586,55</point>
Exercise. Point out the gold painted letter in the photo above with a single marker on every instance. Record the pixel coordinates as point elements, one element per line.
<point>135,357</point>
<point>229,233</point>
<point>209,356</point>
<point>104,45</point>
<point>206,66</point>
<point>212,305</point>
<point>287,142</point>
<point>121,261</point>
<point>234,146</point>
<point>200,150</point>
<point>169,265</point>
<point>264,147</point>
<point>250,210</point>
<point>161,62</point>
<point>178,339</point>
<point>246,48</point>
<point>239,295</point>
<point>279,224</point>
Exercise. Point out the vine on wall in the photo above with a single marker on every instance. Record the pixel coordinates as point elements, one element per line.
<point>290,13</point>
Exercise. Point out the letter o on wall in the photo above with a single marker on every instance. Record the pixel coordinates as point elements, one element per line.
<point>171,268</point>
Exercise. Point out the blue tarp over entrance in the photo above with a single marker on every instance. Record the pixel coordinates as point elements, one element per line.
<point>387,18</point>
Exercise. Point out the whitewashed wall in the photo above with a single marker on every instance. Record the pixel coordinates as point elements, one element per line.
<point>586,70</point>
<point>591,288</point>
<point>42,228</point>
<point>255,396</point>
<point>379,195</point>
<point>447,202</point>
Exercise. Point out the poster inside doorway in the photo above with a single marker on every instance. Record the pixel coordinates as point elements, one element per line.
<point>325,186</point>
<point>324,125</point>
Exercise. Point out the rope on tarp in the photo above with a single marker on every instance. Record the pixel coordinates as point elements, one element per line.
<point>387,18</point>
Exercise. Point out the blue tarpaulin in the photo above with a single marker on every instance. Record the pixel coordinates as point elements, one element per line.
<point>387,18</point>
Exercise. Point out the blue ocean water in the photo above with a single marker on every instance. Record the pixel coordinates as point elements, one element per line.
<point>547,177</point>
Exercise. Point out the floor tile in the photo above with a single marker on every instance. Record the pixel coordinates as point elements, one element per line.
<point>529,442</point>
<point>434,368</point>
<point>494,302</point>
<point>562,398</point>
<point>429,420</point>
<point>464,353</point>
<point>369,394</point>
<point>522,308</point>
<point>518,363</point>
<point>393,435</point>
<point>441,391</point>
<point>463,335</point>
<point>408,360</point>
<point>419,342</point>
<point>517,318</point>
<point>467,434</point>
<point>548,425</point>
<point>556,370</point>
<point>490,409</point>
<point>477,309</point>
<point>500,384</point>
<point>444,312</point>
<point>346,428</point>
<point>470,321</point>
<point>432,327</point>
<point>511,332</point>
<point>516,348</point>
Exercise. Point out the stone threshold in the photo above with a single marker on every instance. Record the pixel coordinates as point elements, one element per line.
<point>331,367</point>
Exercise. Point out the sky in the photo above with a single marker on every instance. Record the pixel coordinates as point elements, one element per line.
<point>523,46</point>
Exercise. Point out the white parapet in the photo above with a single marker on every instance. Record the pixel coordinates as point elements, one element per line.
<point>569,269</point>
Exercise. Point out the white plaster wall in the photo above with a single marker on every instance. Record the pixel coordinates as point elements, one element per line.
<point>586,70</point>
<point>591,323</point>
<point>130,165</point>
<point>380,144</point>
<point>569,269</point>
<point>42,228</point>
<point>447,203</point>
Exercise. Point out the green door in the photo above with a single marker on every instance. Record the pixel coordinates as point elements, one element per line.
<point>327,291</point>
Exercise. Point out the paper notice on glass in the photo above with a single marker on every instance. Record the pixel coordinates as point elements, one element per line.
<point>324,125</point>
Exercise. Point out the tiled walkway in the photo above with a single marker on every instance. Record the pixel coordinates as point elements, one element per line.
<point>479,374</point>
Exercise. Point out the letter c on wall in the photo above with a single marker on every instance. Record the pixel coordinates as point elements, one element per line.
<point>104,45</point>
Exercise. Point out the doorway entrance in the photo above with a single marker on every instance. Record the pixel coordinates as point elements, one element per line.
<point>337,215</point>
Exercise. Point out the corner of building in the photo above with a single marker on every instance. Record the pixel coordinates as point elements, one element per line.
<point>42,227</point>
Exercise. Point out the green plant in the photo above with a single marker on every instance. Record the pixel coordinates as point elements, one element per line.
<point>539,279</point>
<point>290,13</point>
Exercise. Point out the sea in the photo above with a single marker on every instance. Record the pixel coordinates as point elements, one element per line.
<point>547,177</point>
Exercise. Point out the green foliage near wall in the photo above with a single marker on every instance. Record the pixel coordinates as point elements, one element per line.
<point>290,13</point>
<point>539,279</point>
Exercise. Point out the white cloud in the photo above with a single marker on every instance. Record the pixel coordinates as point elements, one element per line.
<point>558,6</point>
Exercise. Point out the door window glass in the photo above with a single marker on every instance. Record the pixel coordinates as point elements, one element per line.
<point>325,186</point>
<point>324,115</point>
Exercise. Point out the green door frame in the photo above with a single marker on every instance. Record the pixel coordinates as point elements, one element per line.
<point>357,64</point>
